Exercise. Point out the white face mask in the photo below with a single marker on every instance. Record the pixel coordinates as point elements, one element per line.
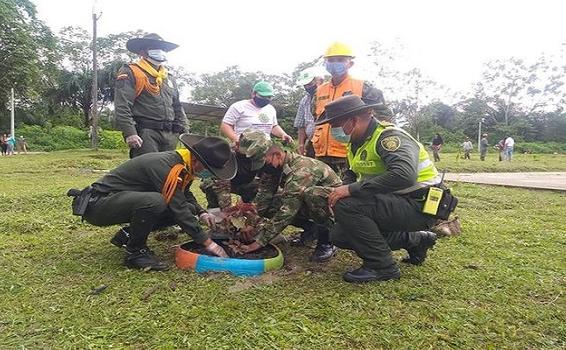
<point>157,55</point>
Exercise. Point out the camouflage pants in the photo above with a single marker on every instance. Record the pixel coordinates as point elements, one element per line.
<point>339,165</point>
<point>218,192</point>
<point>313,207</point>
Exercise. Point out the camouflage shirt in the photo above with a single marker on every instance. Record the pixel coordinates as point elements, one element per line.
<point>299,173</point>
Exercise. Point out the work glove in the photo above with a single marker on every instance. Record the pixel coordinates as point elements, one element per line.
<point>208,219</point>
<point>134,141</point>
<point>216,250</point>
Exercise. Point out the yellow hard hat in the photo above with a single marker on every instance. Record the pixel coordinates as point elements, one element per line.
<point>339,49</point>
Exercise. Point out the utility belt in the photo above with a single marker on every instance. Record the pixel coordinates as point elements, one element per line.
<point>438,200</point>
<point>170,126</point>
<point>82,199</point>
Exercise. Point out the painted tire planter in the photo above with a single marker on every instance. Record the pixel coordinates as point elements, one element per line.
<point>187,259</point>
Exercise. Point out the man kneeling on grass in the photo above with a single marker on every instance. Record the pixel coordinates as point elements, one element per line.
<point>152,191</point>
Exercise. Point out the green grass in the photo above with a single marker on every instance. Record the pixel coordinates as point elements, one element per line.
<point>499,285</point>
<point>521,163</point>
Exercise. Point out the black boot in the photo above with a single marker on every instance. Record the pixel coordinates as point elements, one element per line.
<point>324,250</point>
<point>417,255</point>
<point>309,234</point>
<point>121,237</point>
<point>365,274</point>
<point>143,259</point>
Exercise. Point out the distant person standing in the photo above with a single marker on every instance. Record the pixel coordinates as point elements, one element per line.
<point>467,147</point>
<point>255,113</point>
<point>309,79</point>
<point>437,143</point>
<point>509,145</point>
<point>11,145</point>
<point>4,144</point>
<point>484,144</point>
<point>501,148</point>
<point>147,106</point>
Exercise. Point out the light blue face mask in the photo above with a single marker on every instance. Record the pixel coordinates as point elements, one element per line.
<point>336,69</point>
<point>339,134</point>
<point>157,54</point>
<point>204,174</point>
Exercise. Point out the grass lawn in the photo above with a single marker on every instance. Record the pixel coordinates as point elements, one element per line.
<point>499,285</point>
<point>520,163</point>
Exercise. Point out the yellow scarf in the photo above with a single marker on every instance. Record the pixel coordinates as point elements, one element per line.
<point>159,75</point>
<point>173,178</point>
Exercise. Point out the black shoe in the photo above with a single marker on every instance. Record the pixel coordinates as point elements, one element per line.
<point>364,274</point>
<point>323,252</point>
<point>144,259</point>
<point>417,255</point>
<point>121,237</point>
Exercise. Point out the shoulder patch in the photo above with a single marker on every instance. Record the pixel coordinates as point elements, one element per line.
<point>391,143</point>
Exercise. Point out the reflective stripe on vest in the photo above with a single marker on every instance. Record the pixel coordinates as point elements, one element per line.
<point>367,163</point>
<point>323,143</point>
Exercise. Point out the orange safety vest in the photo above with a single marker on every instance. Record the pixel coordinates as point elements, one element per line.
<point>323,143</point>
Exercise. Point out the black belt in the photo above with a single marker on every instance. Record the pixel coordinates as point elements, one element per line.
<point>157,125</point>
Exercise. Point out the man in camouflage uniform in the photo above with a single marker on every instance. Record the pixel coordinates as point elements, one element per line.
<point>147,106</point>
<point>250,153</point>
<point>294,195</point>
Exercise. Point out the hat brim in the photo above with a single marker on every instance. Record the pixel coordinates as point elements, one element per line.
<point>324,118</point>
<point>227,172</point>
<point>136,45</point>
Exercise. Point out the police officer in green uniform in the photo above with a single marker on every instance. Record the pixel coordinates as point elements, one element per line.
<point>153,191</point>
<point>147,106</point>
<point>381,210</point>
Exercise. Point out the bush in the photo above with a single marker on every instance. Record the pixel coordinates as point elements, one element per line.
<point>48,138</point>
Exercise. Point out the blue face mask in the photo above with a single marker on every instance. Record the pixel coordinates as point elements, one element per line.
<point>339,134</point>
<point>336,69</point>
<point>157,55</point>
<point>204,174</point>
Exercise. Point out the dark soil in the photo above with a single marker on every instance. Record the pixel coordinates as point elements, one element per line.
<point>266,252</point>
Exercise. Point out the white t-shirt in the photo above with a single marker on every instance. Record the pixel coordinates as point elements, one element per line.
<point>509,142</point>
<point>244,115</point>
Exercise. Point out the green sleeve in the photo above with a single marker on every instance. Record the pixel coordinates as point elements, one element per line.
<point>401,167</point>
<point>267,186</point>
<point>291,201</point>
<point>124,97</point>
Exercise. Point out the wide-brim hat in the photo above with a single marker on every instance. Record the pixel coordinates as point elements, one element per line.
<point>152,41</point>
<point>344,107</point>
<point>214,153</point>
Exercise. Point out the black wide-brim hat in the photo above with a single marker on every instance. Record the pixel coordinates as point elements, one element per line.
<point>345,107</point>
<point>214,153</point>
<point>149,41</point>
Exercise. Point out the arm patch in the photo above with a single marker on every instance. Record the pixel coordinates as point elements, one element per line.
<point>391,143</point>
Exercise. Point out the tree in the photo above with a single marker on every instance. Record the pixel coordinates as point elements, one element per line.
<point>26,53</point>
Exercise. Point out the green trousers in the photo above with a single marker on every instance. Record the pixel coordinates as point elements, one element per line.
<point>144,211</point>
<point>155,141</point>
<point>375,225</point>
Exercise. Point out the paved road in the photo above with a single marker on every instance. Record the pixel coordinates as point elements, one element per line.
<point>542,180</point>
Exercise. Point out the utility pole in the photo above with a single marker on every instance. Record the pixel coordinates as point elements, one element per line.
<point>12,109</point>
<point>93,110</point>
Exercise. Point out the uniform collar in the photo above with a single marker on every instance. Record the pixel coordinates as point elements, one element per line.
<point>368,134</point>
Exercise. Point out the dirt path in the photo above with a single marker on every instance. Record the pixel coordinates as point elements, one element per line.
<point>537,180</point>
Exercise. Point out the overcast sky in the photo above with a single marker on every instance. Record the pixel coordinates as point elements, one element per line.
<point>448,40</point>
